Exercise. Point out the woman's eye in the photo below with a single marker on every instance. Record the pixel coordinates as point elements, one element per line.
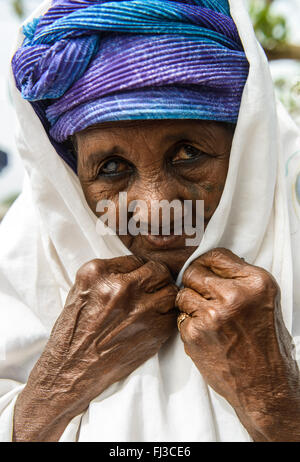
<point>187,152</point>
<point>113,167</point>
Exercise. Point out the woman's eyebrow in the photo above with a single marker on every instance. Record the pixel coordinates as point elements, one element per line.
<point>95,156</point>
<point>185,135</point>
<point>188,133</point>
<point>175,137</point>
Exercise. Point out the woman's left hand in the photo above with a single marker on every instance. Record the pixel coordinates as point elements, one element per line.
<point>236,337</point>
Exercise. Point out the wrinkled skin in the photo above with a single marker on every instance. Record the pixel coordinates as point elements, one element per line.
<point>117,315</point>
<point>236,337</point>
<point>121,311</point>
<point>155,160</point>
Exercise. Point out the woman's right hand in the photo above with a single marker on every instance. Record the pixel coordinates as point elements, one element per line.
<point>117,315</point>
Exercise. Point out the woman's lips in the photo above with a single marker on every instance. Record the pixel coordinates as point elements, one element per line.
<point>164,242</point>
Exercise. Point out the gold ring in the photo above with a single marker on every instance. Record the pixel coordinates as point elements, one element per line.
<point>181,318</point>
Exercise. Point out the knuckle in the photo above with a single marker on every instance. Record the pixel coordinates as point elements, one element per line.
<point>215,320</point>
<point>265,282</point>
<point>153,277</point>
<point>166,301</point>
<point>190,334</point>
<point>217,253</point>
<point>220,251</point>
<point>112,292</point>
<point>90,271</point>
<point>181,297</point>
<point>207,280</point>
<point>125,263</point>
<point>171,290</point>
<point>160,268</point>
<point>214,255</point>
<point>129,258</point>
<point>232,298</point>
<point>210,324</point>
<point>188,274</point>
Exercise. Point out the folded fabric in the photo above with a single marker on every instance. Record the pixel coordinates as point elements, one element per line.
<point>86,62</point>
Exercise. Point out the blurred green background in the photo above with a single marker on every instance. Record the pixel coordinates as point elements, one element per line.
<point>277,26</point>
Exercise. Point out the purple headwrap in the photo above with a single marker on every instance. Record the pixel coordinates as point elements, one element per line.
<point>90,61</point>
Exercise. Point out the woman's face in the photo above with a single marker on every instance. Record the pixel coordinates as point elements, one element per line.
<point>154,161</point>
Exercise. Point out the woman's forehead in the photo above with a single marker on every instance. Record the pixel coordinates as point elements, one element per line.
<point>139,138</point>
<point>155,127</point>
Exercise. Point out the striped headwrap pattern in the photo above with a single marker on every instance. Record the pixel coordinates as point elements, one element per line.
<point>89,61</point>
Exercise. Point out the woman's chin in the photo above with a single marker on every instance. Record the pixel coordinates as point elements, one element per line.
<point>169,250</point>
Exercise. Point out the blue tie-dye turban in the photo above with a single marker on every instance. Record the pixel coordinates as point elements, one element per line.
<point>90,61</point>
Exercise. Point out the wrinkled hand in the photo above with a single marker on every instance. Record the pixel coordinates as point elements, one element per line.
<point>236,337</point>
<point>117,315</point>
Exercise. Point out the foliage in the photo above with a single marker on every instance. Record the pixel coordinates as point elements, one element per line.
<point>271,29</point>
<point>5,204</point>
<point>18,6</point>
<point>288,91</point>
<point>9,200</point>
<point>273,32</point>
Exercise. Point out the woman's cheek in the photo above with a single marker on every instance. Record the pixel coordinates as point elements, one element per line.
<point>95,191</point>
<point>208,192</point>
<point>212,186</point>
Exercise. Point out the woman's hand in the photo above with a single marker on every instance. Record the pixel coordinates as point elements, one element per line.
<point>117,315</point>
<point>236,337</point>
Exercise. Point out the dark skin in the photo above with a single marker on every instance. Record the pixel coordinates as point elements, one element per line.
<point>121,311</point>
<point>155,160</point>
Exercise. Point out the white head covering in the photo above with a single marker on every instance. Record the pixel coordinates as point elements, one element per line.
<point>50,232</point>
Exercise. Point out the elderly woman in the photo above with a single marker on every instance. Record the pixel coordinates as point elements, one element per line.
<point>164,101</point>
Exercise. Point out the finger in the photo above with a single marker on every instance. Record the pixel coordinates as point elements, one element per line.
<point>203,280</point>
<point>164,299</point>
<point>193,304</point>
<point>152,276</point>
<point>190,302</point>
<point>203,316</point>
<point>223,263</point>
<point>94,270</point>
<point>125,264</point>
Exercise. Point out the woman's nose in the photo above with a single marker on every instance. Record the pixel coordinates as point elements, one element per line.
<point>157,203</point>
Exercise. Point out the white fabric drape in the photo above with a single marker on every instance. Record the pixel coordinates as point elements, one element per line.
<point>50,232</point>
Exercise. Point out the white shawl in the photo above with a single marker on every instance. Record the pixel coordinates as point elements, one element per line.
<point>50,232</point>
